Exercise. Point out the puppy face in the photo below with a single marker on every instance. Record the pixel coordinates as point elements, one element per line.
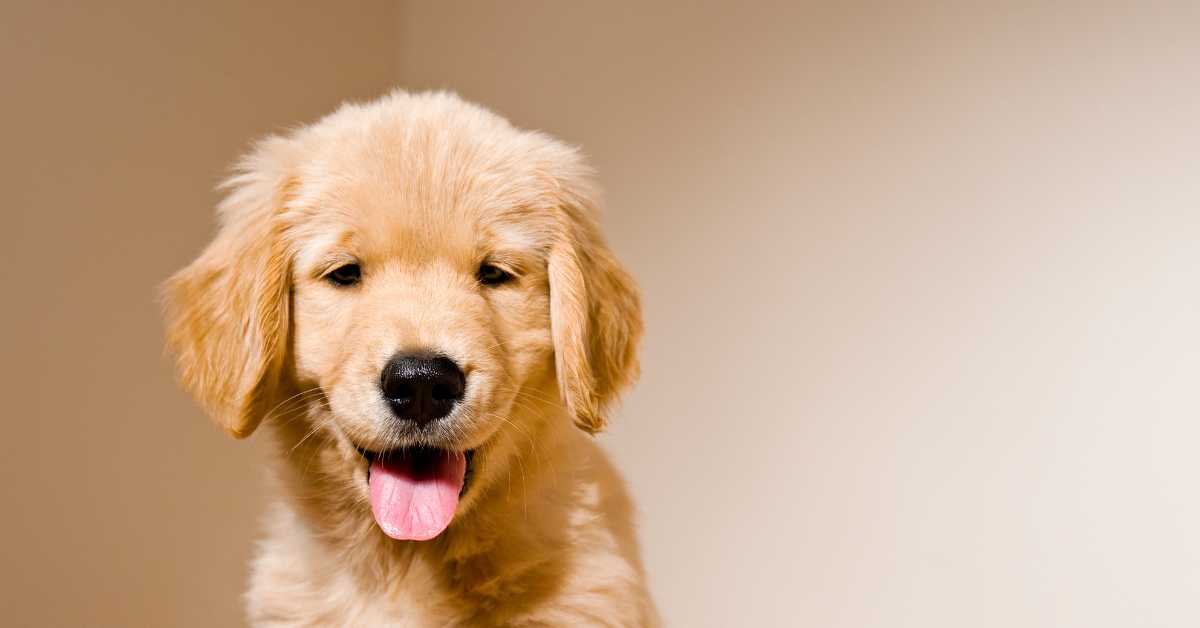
<point>393,278</point>
<point>427,278</point>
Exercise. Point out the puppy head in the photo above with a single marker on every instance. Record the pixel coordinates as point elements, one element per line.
<point>416,264</point>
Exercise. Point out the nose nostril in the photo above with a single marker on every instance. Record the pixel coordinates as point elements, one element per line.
<point>400,393</point>
<point>395,385</point>
<point>441,392</point>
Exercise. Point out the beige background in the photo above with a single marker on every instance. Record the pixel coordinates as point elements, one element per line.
<point>922,287</point>
<point>122,506</point>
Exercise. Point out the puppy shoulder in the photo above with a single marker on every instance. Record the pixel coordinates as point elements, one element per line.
<point>607,581</point>
<point>293,580</point>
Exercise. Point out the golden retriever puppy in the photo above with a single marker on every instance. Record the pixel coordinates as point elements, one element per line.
<point>413,298</point>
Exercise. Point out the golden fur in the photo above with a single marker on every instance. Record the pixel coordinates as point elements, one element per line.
<point>419,189</point>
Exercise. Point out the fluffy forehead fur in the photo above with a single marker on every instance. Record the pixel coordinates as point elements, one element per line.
<point>419,191</point>
<point>454,168</point>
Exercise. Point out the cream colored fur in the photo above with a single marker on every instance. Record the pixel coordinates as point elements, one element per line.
<point>419,190</point>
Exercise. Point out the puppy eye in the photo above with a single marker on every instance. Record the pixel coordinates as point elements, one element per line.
<point>490,275</point>
<point>347,275</point>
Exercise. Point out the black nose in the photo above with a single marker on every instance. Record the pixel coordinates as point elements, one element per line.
<point>422,388</point>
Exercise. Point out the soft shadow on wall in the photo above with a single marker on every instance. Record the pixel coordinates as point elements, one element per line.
<point>123,505</point>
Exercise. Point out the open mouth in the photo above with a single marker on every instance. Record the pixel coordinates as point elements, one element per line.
<point>415,491</point>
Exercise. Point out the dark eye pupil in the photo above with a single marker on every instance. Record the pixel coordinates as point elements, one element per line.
<point>346,275</point>
<point>492,275</point>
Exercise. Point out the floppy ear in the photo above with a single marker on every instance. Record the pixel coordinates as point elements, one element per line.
<point>227,312</point>
<point>595,316</point>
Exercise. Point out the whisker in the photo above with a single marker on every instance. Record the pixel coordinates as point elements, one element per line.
<point>298,396</point>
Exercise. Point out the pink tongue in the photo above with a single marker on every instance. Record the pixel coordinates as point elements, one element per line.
<point>415,496</point>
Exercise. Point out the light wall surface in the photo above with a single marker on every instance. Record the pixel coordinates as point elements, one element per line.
<point>922,288</point>
<point>122,505</point>
<point>922,292</point>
